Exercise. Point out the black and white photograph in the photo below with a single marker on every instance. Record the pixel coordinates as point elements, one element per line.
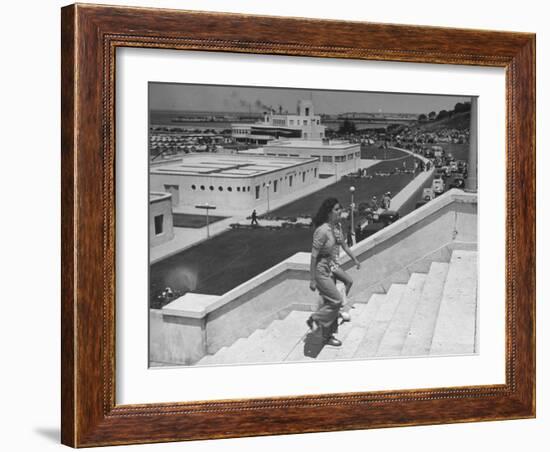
<point>306,225</point>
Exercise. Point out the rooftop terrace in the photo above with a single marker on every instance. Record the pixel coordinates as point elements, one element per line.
<point>228,165</point>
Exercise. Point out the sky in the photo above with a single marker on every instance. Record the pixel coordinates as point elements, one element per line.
<point>168,96</point>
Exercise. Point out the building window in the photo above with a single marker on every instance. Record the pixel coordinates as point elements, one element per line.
<point>327,158</point>
<point>238,188</point>
<point>315,172</point>
<point>229,189</point>
<point>202,187</point>
<point>307,111</point>
<point>220,188</point>
<point>305,122</point>
<point>350,156</point>
<point>248,189</point>
<point>298,122</point>
<point>159,220</point>
<point>291,122</point>
<point>316,157</point>
<point>290,181</point>
<point>357,154</point>
<point>275,186</point>
<point>257,192</point>
<point>303,177</point>
<point>194,187</point>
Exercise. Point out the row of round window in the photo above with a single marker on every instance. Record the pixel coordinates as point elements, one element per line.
<point>220,188</point>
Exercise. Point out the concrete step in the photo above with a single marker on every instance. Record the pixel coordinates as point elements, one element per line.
<point>276,341</point>
<point>455,329</point>
<point>221,356</point>
<point>329,353</point>
<point>389,302</point>
<point>311,347</point>
<point>396,333</point>
<point>241,345</point>
<point>419,337</point>
<point>209,360</point>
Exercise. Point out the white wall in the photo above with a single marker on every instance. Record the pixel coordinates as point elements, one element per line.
<point>30,94</point>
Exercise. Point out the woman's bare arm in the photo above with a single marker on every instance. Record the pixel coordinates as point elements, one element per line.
<point>350,254</point>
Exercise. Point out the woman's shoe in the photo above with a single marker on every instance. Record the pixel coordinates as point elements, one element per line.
<point>333,342</point>
<point>345,316</point>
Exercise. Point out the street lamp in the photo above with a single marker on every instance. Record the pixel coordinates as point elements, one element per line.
<point>207,207</point>
<point>267,187</point>
<point>352,208</point>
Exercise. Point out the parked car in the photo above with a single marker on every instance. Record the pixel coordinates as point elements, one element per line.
<point>428,194</point>
<point>458,182</point>
<point>438,186</point>
<point>368,230</point>
<point>387,217</point>
<point>438,151</point>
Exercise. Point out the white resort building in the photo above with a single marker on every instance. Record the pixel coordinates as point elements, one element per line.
<point>304,124</point>
<point>234,184</point>
<point>161,224</point>
<point>335,157</point>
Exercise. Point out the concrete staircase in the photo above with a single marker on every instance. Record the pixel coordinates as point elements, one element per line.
<point>434,313</point>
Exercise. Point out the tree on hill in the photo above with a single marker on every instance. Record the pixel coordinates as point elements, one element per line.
<point>431,115</point>
<point>443,114</point>
<point>422,117</point>
<point>462,107</point>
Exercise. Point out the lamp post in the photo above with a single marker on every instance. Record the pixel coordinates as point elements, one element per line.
<point>207,207</point>
<point>352,208</point>
<point>267,188</point>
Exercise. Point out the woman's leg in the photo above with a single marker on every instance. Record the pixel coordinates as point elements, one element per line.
<point>327,315</point>
<point>341,275</point>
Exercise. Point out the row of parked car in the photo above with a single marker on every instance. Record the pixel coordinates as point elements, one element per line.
<point>449,173</point>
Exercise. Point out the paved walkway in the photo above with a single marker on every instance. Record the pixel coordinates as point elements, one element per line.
<point>410,189</point>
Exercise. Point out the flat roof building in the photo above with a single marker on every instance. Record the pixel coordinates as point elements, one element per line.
<point>304,124</point>
<point>161,223</point>
<point>335,157</point>
<point>236,183</point>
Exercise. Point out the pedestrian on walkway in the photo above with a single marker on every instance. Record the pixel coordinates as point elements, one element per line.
<point>254,218</point>
<point>325,270</point>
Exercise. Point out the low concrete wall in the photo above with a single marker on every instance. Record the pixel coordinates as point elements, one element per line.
<point>426,235</point>
<point>255,309</point>
<point>175,339</point>
<point>195,324</point>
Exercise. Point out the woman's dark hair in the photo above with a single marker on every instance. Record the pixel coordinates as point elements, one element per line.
<point>323,212</point>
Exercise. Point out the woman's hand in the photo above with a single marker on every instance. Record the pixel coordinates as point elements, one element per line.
<point>313,285</point>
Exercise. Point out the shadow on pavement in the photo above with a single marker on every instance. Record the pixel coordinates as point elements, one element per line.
<point>313,344</point>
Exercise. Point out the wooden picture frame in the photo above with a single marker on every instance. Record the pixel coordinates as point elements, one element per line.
<point>90,37</point>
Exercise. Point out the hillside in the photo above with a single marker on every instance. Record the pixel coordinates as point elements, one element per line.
<point>457,121</point>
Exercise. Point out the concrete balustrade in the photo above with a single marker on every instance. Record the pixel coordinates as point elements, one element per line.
<point>195,325</point>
